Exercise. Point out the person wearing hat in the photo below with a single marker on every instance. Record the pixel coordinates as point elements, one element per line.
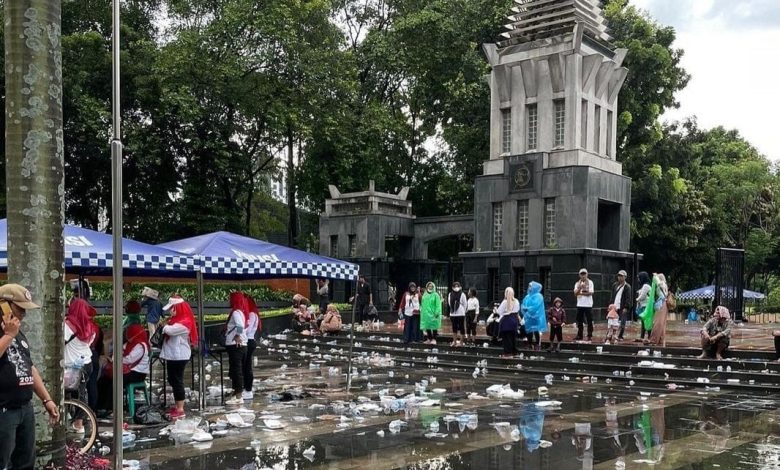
<point>583,289</point>
<point>181,335</point>
<point>154,310</point>
<point>132,314</point>
<point>622,297</point>
<point>19,379</point>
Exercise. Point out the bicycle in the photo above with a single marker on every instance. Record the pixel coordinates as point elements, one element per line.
<point>71,409</point>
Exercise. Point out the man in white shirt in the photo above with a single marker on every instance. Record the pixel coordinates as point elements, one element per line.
<point>583,289</point>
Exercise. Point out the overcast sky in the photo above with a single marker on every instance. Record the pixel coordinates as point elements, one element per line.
<point>732,51</point>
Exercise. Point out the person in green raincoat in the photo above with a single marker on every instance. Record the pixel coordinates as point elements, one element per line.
<point>430,313</point>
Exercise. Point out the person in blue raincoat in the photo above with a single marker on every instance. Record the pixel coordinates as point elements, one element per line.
<point>531,424</point>
<point>534,315</point>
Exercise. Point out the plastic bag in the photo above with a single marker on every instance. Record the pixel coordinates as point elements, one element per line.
<point>148,415</point>
<point>71,378</point>
<point>401,324</point>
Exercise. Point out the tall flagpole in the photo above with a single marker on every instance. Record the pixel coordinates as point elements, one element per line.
<point>116,225</point>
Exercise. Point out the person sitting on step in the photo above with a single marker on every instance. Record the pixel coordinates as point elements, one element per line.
<point>716,334</point>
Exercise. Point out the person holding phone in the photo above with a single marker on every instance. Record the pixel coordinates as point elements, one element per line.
<point>19,379</point>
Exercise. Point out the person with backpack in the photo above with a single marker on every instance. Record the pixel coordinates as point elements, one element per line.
<point>457,306</point>
<point>235,343</point>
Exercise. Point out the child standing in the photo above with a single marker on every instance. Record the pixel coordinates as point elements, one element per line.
<point>556,315</point>
<point>613,324</point>
<point>472,316</point>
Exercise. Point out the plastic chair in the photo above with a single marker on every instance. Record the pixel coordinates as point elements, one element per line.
<point>131,388</point>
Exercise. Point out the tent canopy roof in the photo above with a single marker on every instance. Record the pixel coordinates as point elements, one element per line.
<point>225,255</point>
<point>91,253</point>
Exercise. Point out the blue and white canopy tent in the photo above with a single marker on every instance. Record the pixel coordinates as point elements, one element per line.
<point>88,252</point>
<point>708,292</point>
<point>225,255</point>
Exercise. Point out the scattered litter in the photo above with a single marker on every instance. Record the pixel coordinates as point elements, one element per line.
<point>548,404</point>
<point>380,433</point>
<point>273,424</point>
<point>309,454</point>
<point>544,444</point>
<point>504,391</point>
<point>542,390</point>
<point>202,436</point>
<point>703,380</point>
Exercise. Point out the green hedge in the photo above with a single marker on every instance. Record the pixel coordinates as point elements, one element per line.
<point>105,320</point>
<point>103,291</point>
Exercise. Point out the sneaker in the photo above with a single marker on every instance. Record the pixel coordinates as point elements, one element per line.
<point>176,414</point>
<point>433,341</point>
<point>74,430</point>
<point>234,401</point>
<point>247,395</point>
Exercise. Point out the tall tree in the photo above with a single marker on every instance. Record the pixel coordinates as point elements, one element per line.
<point>35,188</point>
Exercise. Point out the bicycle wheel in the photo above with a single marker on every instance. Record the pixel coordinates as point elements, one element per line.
<point>72,410</point>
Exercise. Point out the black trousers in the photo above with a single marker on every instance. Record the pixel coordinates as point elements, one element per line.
<point>458,325</point>
<point>236,357</point>
<point>105,387</point>
<point>584,314</point>
<point>92,388</point>
<point>556,332</point>
<point>623,320</point>
<point>248,371</point>
<point>175,370</point>
<point>471,323</point>
<point>412,331</point>
<point>534,338</point>
<point>777,346</point>
<point>508,340</point>
<point>17,438</point>
<point>431,334</point>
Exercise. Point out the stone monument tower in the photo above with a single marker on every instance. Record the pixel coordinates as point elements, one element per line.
<point>552,197</point>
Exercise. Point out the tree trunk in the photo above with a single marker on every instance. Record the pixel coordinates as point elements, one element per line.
<point>292,225</point>
<point>34,191</point>
<point>249,197</point>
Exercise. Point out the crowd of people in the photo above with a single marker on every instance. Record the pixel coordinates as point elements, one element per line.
<point>420,315</point>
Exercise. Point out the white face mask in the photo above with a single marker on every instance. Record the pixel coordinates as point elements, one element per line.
<point>456,289</point>
<point>430,289</point>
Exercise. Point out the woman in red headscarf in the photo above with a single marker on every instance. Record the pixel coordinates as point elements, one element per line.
<point>253,326</point>
<point>235,344</point>
<point>181,334</point>
<point>79,332</point>
<point>135,366</point>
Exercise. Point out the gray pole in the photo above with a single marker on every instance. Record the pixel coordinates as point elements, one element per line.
<point>351,339</point>
<point>202,344</point>
<point>116,223</point>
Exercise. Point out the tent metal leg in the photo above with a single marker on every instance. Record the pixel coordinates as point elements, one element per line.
<point>351,340</point>
<point>201,345</point>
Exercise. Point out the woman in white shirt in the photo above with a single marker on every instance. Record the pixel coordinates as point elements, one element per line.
<point>235,343</point>
<point>457,307</point>
<point>251,331</point>
<point>79,332</point>
<point>181,333</point>
<point>472,316</point>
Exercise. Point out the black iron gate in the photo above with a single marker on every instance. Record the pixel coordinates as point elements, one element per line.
<point>729,281</point>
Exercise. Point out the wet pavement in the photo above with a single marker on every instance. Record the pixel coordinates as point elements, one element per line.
<point>392,419</point>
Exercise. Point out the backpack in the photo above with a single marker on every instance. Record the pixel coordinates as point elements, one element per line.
<point>671,302</point>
